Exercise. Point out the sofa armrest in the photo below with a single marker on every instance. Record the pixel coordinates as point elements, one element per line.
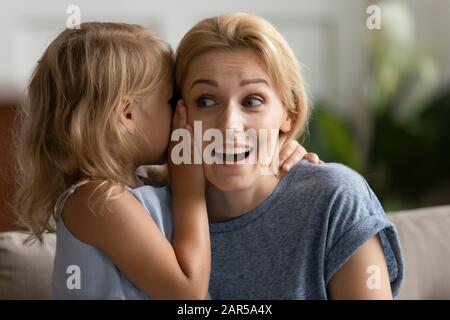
<point>25,270</point>
<point>425,238</point>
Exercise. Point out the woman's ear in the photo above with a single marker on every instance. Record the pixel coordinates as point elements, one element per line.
<point>126,113</point>
<point>286,125</point>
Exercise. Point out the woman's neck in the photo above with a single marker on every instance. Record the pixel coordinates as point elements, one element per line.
<point>226,205</point>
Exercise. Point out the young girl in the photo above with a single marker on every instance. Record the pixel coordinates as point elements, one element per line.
<point>98,108</point>
<point>317,233</point>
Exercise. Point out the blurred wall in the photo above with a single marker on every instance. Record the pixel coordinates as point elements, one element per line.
<point>328,36</point>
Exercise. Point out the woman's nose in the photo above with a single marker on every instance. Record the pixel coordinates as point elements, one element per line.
<point>233,119</point>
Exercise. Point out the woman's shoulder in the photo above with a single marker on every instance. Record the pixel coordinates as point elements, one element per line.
<point>334,189</point>
<point>328,176</point>
<point>334,184</point>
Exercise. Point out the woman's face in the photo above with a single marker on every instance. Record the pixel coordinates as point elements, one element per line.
<point>232,92</point>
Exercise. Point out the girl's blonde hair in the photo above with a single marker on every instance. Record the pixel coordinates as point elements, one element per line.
<point>68,128</point>
<point>233,31</point>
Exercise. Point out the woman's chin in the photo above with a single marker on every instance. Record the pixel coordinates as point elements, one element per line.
<point>229,179</point>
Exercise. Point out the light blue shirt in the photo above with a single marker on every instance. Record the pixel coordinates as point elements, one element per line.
<point>82,271</point>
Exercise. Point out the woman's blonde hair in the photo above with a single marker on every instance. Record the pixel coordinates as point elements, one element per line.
<point>233,31</point>
<point>68,129</point>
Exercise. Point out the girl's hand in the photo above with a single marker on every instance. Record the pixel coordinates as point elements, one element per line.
<point>292,153</point>
<point>155,175</point>
<point>185,177</point>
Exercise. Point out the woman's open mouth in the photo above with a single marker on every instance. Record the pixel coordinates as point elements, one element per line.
<point>231,155</point>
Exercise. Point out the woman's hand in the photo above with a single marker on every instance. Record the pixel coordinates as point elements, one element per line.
<point>292,153</point>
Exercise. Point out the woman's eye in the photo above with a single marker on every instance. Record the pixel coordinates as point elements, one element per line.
<point>205,102</point>
<point>252,102</point>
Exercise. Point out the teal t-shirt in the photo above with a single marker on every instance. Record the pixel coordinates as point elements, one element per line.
<point>291,245</point>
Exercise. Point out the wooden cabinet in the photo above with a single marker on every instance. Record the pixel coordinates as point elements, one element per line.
<point>7,119</point>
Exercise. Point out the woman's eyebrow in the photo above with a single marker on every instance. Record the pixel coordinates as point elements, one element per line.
<point>213,83</point>
<point>250,81</point>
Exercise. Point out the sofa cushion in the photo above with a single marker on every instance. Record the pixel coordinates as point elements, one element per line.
<point>25,270</point>
<point>425,239</point>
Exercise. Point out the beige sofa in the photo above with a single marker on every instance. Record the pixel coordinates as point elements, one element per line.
<point>25,271</point>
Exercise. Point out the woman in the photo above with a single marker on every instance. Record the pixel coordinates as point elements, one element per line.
<point>319,232</point>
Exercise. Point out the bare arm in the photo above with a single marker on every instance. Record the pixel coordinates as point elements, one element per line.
<point>365,276</point>
<point>132,240</point>
<point>127,234</point>
<point>190,219</point>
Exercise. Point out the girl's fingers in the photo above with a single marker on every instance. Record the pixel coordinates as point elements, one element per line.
<point>288,148</point>
<point>175,118</point>
<point>312,157</point>
<point>180,116</point>
<point>295,158</point>
<point>298,156</point>
<point>189,128</point>
<point>196,147</point>
<point>292,147</point>
<point>182,123</point>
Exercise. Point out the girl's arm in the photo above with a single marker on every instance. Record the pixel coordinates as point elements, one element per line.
<point>191,238</point>
<point>364,276</point>
<point>125,232</point>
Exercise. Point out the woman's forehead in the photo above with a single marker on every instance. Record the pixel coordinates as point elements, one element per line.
<point>236,64</point>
